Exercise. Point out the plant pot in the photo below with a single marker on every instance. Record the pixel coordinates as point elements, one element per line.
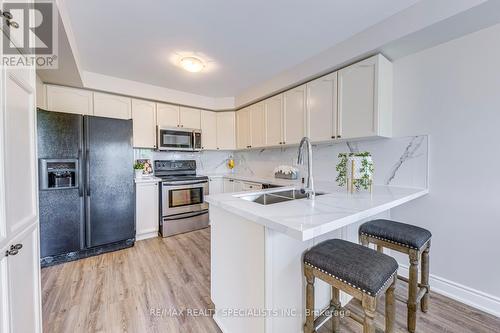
<point>138,173</point>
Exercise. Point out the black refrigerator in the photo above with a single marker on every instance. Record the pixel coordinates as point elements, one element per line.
<point>86,190</point>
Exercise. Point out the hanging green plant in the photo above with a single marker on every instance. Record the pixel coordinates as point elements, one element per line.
<point>362,174</point>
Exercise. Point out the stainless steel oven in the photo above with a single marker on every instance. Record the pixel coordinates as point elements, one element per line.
<point>182,197</point>
<point>179,139</point>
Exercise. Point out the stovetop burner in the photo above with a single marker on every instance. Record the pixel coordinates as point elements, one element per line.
<point>177,170</point>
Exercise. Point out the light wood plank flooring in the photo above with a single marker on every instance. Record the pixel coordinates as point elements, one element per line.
<point>116,292</point>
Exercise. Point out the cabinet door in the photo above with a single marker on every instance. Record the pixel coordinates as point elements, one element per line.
<point>274,120</point>
<point>237,186</point>
<point>208,130</point>
<point>357,86</point>
<point>216,185</point>
<point>167,115</point>
<point>144,123</point>
<point>190,117</point>
<point>21,274</point>
<point>112,106</point>
<point>294,115</point>
<point>69,100</point>
<point>243,128</point>
<point>147,211</point>
<point>257,125</point>
<point>322,108</point>
<point>226,130</point>
<point>247,186</point>
<point>228,185</point>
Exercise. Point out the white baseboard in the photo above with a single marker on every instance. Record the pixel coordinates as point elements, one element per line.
<point>475,298</point>
<point>146,235</point>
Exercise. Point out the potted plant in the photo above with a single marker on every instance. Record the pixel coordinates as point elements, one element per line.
<point>355,170</point>
<point>139,169</point>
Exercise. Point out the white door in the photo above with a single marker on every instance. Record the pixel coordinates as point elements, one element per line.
<point>357,86</point>
<point>274,120</point>
<point>243,128</point>
<point>167,115</point>
<point>257,125</point>
<point>144,123</point>
<point>112,106</point>
<point>208,130</point>
<point>69,100</point>
<point>295,115</point>
<point>146,210</point>
<point>190,117</point>
<point>322,108</point>
<point>20,306</point>
<point>226,130</point>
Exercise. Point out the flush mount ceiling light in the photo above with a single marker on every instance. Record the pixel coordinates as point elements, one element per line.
<point>192,64</point>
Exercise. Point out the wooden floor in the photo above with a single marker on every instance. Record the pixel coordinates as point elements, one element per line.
<point>143,289</point>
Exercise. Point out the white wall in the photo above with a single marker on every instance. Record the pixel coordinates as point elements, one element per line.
<point>452,93</point>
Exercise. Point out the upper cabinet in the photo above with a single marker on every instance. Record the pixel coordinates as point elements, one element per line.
<point>294,115</point>
<point>69,100</point>
<point>112,106</point>
<point>365,99</point>
<point>226,127</point>
<point>322,108</point>
<point>144,123</point>
<point>257,125</point>
<point>189,117</point>
<point>167,115</point>
<point>274,120</point>
<point>208,130</point>
<point>243,128</point>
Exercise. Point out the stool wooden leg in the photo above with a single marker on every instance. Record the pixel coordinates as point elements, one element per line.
<point>369,307</point>
<point>309,325</point>
<point>380,248</point>
<point>363,240</point>
<point>335,317</point>
<point>412,291</point>
<point>390,307</point>
<point>424,304</point>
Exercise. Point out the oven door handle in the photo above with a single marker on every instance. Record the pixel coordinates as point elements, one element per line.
<point>195,182</point>
<point>185,215</point>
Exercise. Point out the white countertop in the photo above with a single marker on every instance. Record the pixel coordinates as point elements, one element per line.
<point>255,179</point>
<point>306,219</point>
<point>147,179</point>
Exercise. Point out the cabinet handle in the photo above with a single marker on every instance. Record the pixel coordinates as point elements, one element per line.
<point>7,15</point>
<point>333,136</point>
<point>339,136</point>
<point>14,249</point>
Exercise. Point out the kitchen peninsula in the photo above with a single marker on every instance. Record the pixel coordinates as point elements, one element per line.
<point>260,247</point>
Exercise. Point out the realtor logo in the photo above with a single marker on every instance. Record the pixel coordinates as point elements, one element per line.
<point>31,30</point>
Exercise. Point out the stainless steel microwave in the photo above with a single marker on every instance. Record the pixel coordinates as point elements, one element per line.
<point>179,139</point>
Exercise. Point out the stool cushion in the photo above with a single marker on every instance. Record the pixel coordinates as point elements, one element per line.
<point>356,265</point>
<point>395,232</point>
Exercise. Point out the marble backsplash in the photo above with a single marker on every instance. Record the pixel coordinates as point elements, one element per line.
<point>398,161</point>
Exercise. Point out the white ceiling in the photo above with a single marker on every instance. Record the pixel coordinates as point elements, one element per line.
<point>247,41</point>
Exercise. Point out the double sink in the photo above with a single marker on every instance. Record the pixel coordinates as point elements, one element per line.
<point>276,197</point>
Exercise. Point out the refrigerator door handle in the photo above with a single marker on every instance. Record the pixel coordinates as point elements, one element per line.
<point>87,172</point>
<point>80,177</point>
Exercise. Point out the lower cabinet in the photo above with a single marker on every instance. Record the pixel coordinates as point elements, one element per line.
<point>146,210</point>
<point>234,185</point>
<point>20,304</point>
<point>215,185</point>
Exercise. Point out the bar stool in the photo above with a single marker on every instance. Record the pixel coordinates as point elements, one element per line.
<point>359,271</point>
<point>413,241</point>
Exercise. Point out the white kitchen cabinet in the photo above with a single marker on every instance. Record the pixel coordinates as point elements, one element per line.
<point>189,117</point>
<point>144,123</point>
<point>208,130</point>
<point>250,186</point>
<point>294,115</point>
<point>215,185</point>
<point>365,98</point>
<point>322,108</point>
<point>226,130</point>
<point>112,106</point>
<point>167,115</point>
<point>69,100</point>
<point>228,185</point>
<point>257,125</point>
<point>20,297</point>
<point>274,120</point>
<point>147,210</point>
<point>243,128</point>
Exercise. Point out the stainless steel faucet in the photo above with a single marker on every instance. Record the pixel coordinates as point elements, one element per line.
<point>309,189</point>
